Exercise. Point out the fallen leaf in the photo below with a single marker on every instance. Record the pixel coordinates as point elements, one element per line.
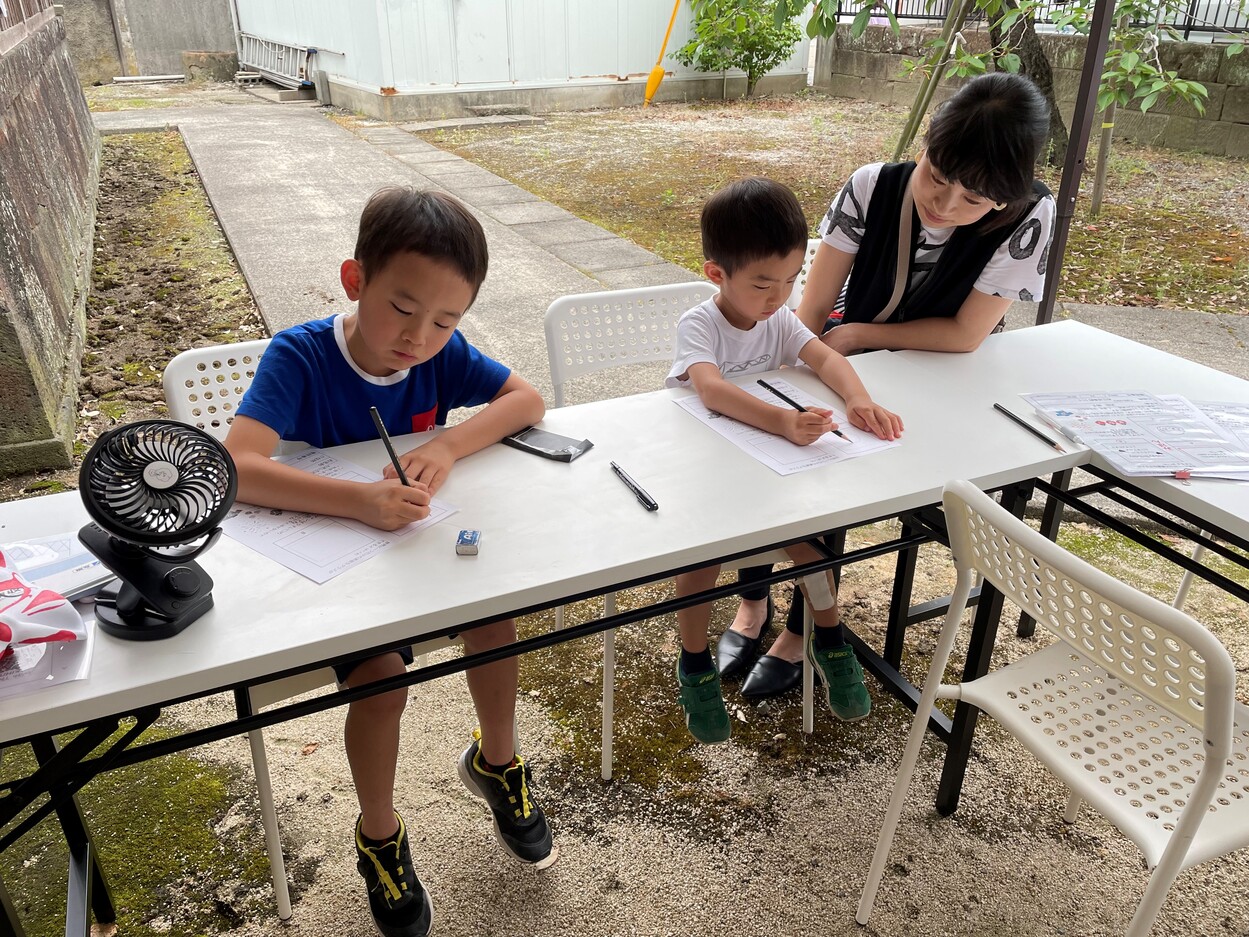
<point>309,748</point>
<point>1220,259</point>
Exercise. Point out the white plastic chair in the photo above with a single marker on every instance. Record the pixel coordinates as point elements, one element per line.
<point>800,284</point>
<point>203,387</point>
<point>1133,708</point>
<point>589,332</point>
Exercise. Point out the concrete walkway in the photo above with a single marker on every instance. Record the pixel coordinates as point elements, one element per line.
<point>288,185</point>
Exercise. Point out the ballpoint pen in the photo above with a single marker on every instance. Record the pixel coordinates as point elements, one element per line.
<point>639,492</point>
<point>390,449</point>
<point>797,406</point>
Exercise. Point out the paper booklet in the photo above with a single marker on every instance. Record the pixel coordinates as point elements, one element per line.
<point>316,545</point>
<point>1140,433</point>
<point>777,452</point>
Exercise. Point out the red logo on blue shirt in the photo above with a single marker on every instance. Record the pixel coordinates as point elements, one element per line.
<point>424,422</point>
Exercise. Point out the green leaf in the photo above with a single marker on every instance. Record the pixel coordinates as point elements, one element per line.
<point>1149,101</point>
<point>1235,49</point>
<point>1104,97</point>
<point>1011,62</point>
<point>1129,61</point>
<point>860,22</point>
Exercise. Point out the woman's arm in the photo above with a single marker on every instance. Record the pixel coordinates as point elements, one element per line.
<point>975,319</point>
<point>828,274</point>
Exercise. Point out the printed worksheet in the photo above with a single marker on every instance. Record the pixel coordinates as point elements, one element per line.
<point>1232,419</point>
<point>1142,434</point>
<point>777,452</point>
<point>315,545</point>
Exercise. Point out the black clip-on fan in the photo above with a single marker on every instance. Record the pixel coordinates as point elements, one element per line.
<point>152,486</point>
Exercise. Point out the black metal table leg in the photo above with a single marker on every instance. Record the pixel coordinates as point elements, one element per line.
<point>979,651</point>
<point>1051,520</point>
<point>900,600</point>
<point>88,889</point>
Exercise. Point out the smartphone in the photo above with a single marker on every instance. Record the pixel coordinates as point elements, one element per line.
<point>548,445</point>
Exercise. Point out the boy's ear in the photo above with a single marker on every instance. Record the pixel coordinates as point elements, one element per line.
<point>714,272</point>
<point>351,275</point>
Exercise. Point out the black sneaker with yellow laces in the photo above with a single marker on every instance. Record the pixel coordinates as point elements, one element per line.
<point>398,900</point>
<point>519,823</point>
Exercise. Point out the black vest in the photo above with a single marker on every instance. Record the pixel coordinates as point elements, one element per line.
<point>948,284</point>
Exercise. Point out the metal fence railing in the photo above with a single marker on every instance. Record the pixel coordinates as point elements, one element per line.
<point>1198,16</point>
<point>16,12</point>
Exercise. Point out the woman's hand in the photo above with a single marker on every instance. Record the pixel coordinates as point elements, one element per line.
<point>865,414</point>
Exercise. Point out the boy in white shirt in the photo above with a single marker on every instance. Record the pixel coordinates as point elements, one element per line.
<point>754,239</point>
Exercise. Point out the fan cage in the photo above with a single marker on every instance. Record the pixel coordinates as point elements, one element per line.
<point>126,505</point>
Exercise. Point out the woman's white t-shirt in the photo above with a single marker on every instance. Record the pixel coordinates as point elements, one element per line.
<point>1015,271</point>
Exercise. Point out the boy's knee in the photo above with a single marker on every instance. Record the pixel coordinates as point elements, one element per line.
<point>488,637</point>
<point>384,705</point>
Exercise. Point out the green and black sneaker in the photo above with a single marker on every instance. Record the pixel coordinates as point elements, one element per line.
<point>703,702</point>
<point>399,902</point>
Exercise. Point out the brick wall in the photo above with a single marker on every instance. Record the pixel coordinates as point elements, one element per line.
<point>870,68</point>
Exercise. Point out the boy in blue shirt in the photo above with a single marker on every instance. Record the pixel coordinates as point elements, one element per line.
<point>754,239</point>
<point>420,258</point>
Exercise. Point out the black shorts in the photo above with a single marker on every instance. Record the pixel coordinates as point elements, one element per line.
<point>343,671</point>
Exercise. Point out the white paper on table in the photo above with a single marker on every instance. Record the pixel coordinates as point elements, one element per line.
<point>316,545</point>
<point>1142,434</point>
<point>1232,418</point>
<point>34,666</point>
<point>59,562</point>
<point>777,452</point>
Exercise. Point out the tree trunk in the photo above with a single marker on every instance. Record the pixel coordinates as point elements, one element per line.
<point>1023,39</point>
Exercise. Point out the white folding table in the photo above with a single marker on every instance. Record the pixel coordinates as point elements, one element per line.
<point>553,533</point>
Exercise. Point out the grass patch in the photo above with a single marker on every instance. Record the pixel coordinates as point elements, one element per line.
<point>1167,235</point>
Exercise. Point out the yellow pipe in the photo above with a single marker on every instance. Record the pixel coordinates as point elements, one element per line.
<point>657,73</point>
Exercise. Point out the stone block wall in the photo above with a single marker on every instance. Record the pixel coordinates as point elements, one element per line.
<point>871,68</point>
<point>49,169</point>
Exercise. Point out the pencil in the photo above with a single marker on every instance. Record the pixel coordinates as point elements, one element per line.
<point>796,405</point>
<point>1028,426</point>
<point>390,449</point>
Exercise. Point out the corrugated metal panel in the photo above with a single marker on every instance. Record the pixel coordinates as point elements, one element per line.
<point>413,45</point>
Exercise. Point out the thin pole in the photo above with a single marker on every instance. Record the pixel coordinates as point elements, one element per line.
<point>1081,124</point>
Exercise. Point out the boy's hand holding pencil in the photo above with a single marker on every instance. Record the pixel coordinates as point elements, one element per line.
<point>428,464</point>
<point>804,427</point>
<point>390,504</point>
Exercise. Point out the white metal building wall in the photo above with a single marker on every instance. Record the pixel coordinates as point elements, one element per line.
<point>415,45</point>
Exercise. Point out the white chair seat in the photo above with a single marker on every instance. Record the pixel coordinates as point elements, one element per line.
<point>1129,758</point>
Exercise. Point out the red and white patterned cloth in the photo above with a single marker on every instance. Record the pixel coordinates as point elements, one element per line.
<point>33,615</point>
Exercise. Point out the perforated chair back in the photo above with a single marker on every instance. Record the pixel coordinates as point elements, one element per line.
<point>204,386</point>
<point>589,332</point>
<point>800,284</point>
<point>1133,708</point>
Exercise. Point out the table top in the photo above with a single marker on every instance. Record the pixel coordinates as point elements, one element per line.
<point>1072,356</point>
<point>552,530</point>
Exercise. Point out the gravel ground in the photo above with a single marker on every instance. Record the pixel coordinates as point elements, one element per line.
<point>769,833</point>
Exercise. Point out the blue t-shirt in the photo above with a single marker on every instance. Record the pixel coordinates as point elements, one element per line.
<point>307,388</point>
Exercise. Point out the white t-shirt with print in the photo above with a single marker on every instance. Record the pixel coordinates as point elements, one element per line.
<point>704,335</point>
<point>1015,271</point>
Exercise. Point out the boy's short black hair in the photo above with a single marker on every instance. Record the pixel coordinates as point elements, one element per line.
<point>400,218</point>
<point>749,220</point>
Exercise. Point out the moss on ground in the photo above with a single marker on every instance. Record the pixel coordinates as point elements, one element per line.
<point>172,865</point>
